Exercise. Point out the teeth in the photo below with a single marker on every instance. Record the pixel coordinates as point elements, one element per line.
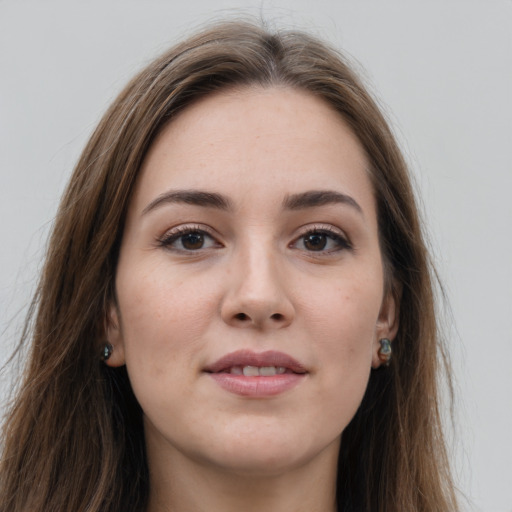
<point>268,371</point>
<point>255,371</point>
<point>251,371</point>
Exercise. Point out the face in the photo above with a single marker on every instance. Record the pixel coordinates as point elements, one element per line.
<point>250,287</point>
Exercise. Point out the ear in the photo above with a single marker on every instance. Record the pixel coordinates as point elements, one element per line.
<point>387,323</point>
<point>114,336</point>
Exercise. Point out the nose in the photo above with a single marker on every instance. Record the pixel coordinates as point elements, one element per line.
<point>256,294</point>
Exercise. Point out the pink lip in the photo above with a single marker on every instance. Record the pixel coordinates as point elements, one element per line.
<point>259,386</point>
<point>249,358</point>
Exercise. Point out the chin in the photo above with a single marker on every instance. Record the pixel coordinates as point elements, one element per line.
<point>256,462</point>
<point>266,452</point>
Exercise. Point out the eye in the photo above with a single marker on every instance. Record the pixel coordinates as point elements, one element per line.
<point>188,239</point>
<point>321,240</point>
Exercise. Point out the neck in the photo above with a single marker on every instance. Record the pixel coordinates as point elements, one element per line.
<point>181,483</point>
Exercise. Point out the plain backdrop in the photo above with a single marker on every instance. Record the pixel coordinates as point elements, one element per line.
<point>441,69</point>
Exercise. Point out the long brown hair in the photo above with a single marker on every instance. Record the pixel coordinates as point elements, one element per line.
<point>74,438</point>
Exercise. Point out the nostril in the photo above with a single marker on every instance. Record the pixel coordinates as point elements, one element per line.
<point>245,318</point>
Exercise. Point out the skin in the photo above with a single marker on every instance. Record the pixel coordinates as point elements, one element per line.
<point>307,281</point>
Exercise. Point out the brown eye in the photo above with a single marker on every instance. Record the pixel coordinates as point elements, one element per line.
<point>192,241</point>
<point>188,239</point>
<point>315,241</point>
<point>325,241</point>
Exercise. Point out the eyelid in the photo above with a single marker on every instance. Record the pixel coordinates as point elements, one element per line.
<point>174,233</point>
<point>321,226</point>
<point>327,229</point>
<point>171,235</point>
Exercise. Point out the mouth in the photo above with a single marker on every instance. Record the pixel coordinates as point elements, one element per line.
<point>257,371</point>
<point>253,364</point>
<point>257,375</point>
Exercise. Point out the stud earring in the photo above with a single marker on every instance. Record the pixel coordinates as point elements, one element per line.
<point>106,351</point>
<point>385,351</point>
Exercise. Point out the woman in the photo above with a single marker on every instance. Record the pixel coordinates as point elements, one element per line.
<point>236,309</point>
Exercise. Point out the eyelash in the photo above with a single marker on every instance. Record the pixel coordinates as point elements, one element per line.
<point>341,242</point>
<point>178,233</point>
<point>174,235</point>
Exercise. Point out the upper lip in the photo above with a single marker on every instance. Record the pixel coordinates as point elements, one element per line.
<point>250,358</point>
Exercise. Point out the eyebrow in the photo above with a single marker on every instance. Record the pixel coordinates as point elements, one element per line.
<point>193,197</point>
<point>304,200</point>
<point>315,198</point>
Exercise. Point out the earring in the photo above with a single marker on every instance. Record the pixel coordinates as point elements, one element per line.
<point>106,351</point>
<point>385,351</point>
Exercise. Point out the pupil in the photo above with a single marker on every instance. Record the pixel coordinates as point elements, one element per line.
<point>193,241</point>
<point>315,242</point>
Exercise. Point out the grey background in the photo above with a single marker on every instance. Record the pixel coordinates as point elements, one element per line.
<point>442,70</point>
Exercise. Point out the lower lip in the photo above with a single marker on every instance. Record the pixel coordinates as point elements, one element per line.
<point>257,387</point>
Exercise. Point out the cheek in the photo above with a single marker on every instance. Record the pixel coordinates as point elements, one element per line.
<point>345,314</point>
<point>164,317</point>
<point>343,322</point>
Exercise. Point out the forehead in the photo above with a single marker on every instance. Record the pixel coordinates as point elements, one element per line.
<point>254,142</point>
